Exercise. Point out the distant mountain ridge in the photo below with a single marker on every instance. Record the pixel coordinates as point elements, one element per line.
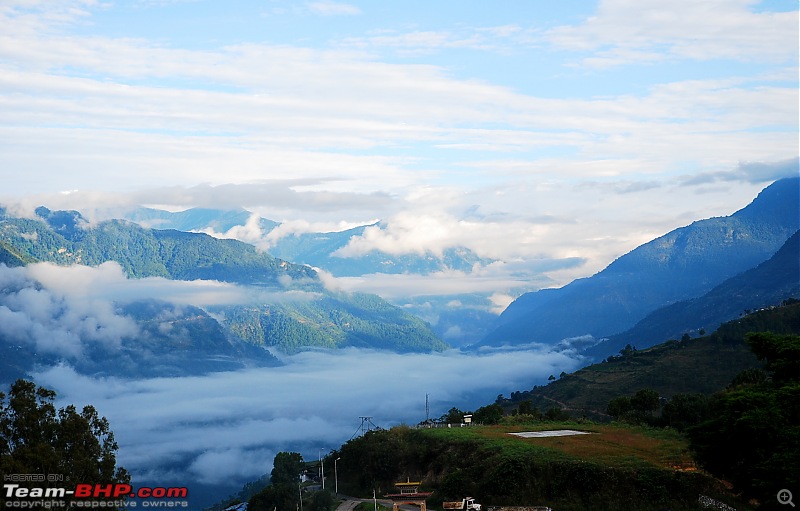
<point>195,219</point>
<point>768,284</point>
<point>321,250</point>
<point>319,318</point>
<point>145,252</point>
<point>461,325</point>
<point>318,249</point>
<point>685,263</point>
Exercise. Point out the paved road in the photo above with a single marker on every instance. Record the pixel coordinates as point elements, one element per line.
<point>351,503</point>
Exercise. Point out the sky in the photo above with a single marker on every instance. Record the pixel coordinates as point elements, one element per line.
<point>528,132</point>
<point>550,137</point>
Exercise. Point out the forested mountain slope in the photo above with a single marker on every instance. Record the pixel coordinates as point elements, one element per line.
<point>693,365</point>
<point>683,264</point>
<point>288,309</point>
<point>768,284</point>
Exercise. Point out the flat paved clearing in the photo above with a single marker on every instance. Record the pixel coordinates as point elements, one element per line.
<point>556,432</point>
<point>349,504</point>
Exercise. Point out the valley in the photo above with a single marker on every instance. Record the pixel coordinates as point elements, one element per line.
<point>150,314</point>
<point>247,246</point>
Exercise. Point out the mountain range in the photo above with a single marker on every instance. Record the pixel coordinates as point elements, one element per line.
<point>688,280</point>
<point>286,306</point>
<point>324,250</point>
<point>767,284</point>
<point>681,265</point>
<point>700,365</point>
<point>317,249</point>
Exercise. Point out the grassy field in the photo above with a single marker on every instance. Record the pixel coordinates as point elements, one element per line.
<point>613,445</point>
<point>615,466</point>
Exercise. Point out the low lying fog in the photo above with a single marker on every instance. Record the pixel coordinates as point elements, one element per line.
<point>225,428</point>
<point>216,432</point>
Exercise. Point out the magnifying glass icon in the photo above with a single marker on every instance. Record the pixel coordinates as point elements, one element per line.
<point>785,497</point>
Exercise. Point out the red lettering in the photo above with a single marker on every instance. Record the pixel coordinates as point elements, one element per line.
<point>83,490</point>
<point>103,490</point>
<point>122,490</point>
<point>178,492</point>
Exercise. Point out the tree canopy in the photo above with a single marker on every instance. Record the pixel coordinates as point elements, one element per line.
<point>752,436</point>
<point>636,408</point>
<point>286,468</point>
<point>284,490</point>
<point>36,438</point>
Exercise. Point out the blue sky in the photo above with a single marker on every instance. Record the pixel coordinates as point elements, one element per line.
<point>527,131</point>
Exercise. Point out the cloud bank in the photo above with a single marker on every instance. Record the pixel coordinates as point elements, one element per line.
<point>61,311</point>
<point>50,320</point>
<point>579,133</point>
<point>226,427</point>
<point>223,429</point>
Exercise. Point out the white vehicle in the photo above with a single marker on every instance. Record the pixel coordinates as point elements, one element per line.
<point>466,504</point>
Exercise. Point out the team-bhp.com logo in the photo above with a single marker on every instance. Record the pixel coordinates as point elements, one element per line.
<point>94,496</point>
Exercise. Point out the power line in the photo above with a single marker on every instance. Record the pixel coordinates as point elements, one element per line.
<point>366,426</point>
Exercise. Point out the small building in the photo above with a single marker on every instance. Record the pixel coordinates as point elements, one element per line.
<point>409,494</point>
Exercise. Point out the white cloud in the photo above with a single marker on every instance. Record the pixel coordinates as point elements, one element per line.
<point>501,301</point>
<point>631,31</point>
<point>409,232</point>
<point>61,310</point>
<point>503,39</point>
<point>49,318</point>
<point>251,232</point>
<point>292,227</point>
<point>394,287</point>
<point>382,129</point>
<point>333,8</point>
<point>108,283</point>
<point>335,135</point>
<point>211,422</point>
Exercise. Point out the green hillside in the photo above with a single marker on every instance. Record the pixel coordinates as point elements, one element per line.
<point>685,263</point>
<point>64,237</point>
<point>10,256</point>
<point>291,309</point>
<point>767,284</point>
<point>701,365</point>
<point>613,467</point>
<point>332,321</point>
<point>747,433</point>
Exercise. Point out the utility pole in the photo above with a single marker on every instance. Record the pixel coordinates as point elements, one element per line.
<point>427,409</point>
<point>322,467</point>
<point>336,474</point>
<point>366,426</point>
<point>365,422</point>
